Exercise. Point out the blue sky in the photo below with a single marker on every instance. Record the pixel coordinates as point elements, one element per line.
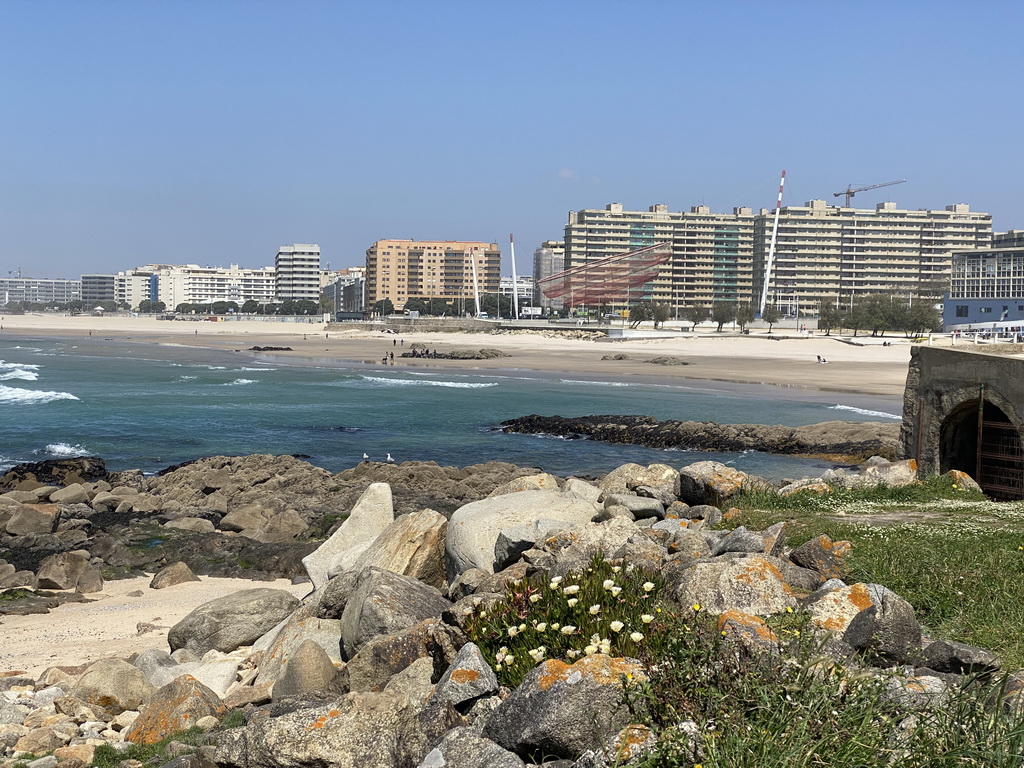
<point>212,132</point>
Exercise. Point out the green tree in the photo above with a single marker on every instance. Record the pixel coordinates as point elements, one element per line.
<point>771,315</point>
<point>640,313</point>
<point>723,312</point>
<point>660,313</point>
<point>696,314</point>
<point>496,305</point>
<point>744,315</point>
<point>439,308</point>
<point>416,305</point>
<point>878,313</point>
<point>251,307</point>
<point>384,307</point>
<point>151,306</point>
<point>829,317</point>
<point>923,317</point>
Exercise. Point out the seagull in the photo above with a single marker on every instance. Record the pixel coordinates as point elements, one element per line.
<point>366,456</point>
<point>389,459</point>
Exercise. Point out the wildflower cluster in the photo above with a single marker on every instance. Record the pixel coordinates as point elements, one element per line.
<point>606,609</point>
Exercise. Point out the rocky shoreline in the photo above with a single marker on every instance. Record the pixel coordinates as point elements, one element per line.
<point>852,441</point>
<point>390,661</point>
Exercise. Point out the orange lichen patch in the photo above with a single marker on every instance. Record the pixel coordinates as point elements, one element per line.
<point>462,676</point>
<point>629,742</point>
<point>860,597</point>
<point>757,570</point>
<point>731,513</point>
<point>602,669</point>
<point>182,703</point>
<point>737,622</point>
<point>322,720</point>
<point>912,463</point>
<point>836,610</point>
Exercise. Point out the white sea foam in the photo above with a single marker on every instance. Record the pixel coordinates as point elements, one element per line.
<point>865,412</point>
<point>257,369</point>
<point>595,383</point>
<point>239,382</point>
<point>187,378</point>
<point>15,395</point>
<point>25,374</point>
<point>64,449</point>
<point>425,383</point>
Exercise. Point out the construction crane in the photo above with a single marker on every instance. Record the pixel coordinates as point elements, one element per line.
<point>851,190</point>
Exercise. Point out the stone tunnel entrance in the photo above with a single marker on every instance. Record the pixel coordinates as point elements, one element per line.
<point>979,439</point>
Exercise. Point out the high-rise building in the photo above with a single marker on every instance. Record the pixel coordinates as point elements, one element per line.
<point>346,291</point>
<point>548,260</point>
<point>97,288</point>
<point>34,290</point>
<point>400,270</point>
<point>297,269</point>
<point>822,253</point>
<point>987,287</point>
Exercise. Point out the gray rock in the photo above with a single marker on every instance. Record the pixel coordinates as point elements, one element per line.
<point>27,520</point>
<point>68,570</point>
<point>384,602</point>
<point>709,513</point>
<point>474,528</point>
<point>113,684</point>
<point>561,710</point>
<point>581,489</point>
<point>413,546</point>
<point>176,707</point>
<point>75,493</point>
<point>158,667</point>
<point>539,482</point>
<point>232,621</point>
<point>753,585</point>
<point>516,539</point>
<point>709,482</point>
<point>639,506</point>
<point>468,679</point>
<point>893,474</point>
<point>956,658</point>
<point>175,573</point>
<point>463,748</point>
<point>193,524</point>
<point>372,513</point>
<point>584,542</point>
<point>12,713</point>
<point>308,670</point>
<point>888,629</point>
<point>297,630</point>
<point>740,540</point>
<point>628,477</point>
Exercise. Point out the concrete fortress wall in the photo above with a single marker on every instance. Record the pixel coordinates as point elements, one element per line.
<point>964,409</point>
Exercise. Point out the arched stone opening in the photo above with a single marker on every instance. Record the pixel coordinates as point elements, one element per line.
<point>989,451</point>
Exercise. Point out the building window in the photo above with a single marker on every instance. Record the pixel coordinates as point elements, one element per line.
<point>961,310</point>
<point>985,310</point>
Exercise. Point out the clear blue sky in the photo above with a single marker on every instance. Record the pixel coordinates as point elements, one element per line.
<point>212,132</point>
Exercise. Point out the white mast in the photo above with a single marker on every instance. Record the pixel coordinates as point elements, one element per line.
<point>515,281</point>
<point>476,286</point>
<point>770,264</point>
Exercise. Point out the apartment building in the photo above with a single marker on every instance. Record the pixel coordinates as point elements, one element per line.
<point>430,269</point>
<point>346,290</point>
<point>297,271</point>
<point>823,252</point>
<point>548,260</point>
<point>97,288</point>
<point>38,290</point>
<point>986,287</point>
<point>176,284</point>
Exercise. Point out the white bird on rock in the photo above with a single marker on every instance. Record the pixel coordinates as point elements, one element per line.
<point>390,459</point>
<point>366,456</point>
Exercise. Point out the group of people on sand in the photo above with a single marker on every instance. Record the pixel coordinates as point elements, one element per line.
<point>424,353</point>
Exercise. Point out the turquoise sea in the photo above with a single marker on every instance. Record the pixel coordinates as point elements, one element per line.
<point>149,406</point>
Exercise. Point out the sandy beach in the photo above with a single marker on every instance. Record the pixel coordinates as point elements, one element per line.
<point>126,617</point>
<point>861,365</point>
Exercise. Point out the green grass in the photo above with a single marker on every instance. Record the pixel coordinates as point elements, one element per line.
<point>106,756</point>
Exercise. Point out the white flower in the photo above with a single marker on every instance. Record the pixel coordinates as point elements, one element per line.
<point>590,650</point>
<point>555,581</point>
<point>608,584</point>
<point>595,609</point>
<point>537,653</point>
<point>513,631</point>
<point>648,586</point>
<point>647,618</point>
<point>555,625</point>
<point>595,639</point>
<point>636,637</point>
<point>572,653</point>
<point>615,591</point>
<point>606,647</point>
<point>572,602</point>
<point>616,568</point>
<point>534,598</point>
<point>568,629</point>
<point>522,627</point>
<point>572,589</point>
<point>509,660</point>
<point>616,626</point>
<point>542,626</point>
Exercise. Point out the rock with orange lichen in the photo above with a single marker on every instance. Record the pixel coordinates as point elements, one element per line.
<point>113,684</point>
<point>833,610</point>
<point>175,707</point>
<point>308,670</point>
<point>748,632</point>
<point>870,618</point>
<point>562,710</point>
<point>684,540</point>
<point>962,481</point>
<point>626,747</point>
<point>754,584</point>
<point>709,482</point>
<point>385,655</point>
<point>823,555</point>
<point>468,679</point>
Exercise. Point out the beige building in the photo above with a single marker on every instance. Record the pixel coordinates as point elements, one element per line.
<point>823,252</point>
<point>400,270</point>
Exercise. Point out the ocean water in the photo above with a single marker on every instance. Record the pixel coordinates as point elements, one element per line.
<point>151,406</point>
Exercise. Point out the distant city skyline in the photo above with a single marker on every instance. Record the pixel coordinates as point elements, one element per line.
<point>213,133</point>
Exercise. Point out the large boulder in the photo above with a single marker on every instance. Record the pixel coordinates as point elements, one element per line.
<point>113,684</point>
<point>299,629</point>
<point>232,621</point>
<point>175,573</point>
<point>27,519</point>
<point>69,570</point>
<point>474,528</point>
<point>413,545</point>
<point>561,710</point>
<point>60,472</point>
<point>627,478</point>
<point>463,747</point>
<point>374,512</point>
<point>177,706</point>
<point>383,656</point>
<point>468,679</point>
<point>384,602</point>
<point>709,482</point>
<point>754,585</point>
<point>308,670</point>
